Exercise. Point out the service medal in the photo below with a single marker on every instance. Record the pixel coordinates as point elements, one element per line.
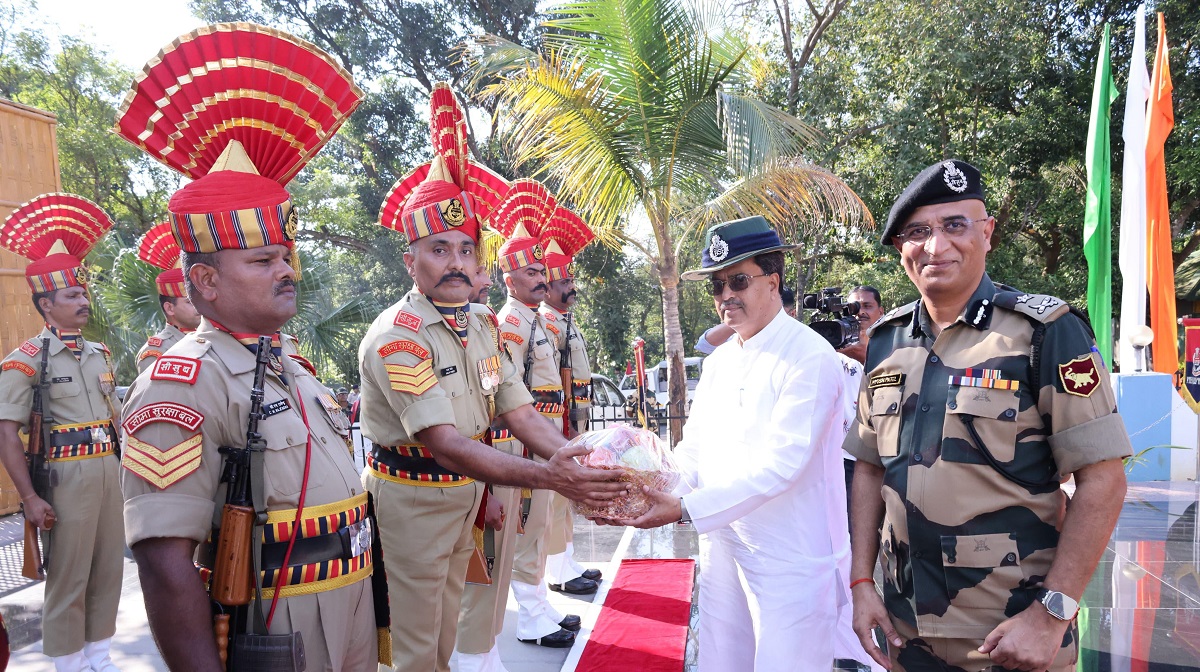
<point>107,386</point>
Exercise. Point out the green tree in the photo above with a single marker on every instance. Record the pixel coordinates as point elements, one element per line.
<point>639,108</point>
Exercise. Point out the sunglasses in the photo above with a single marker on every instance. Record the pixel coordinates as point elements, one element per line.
<point>737,282</point>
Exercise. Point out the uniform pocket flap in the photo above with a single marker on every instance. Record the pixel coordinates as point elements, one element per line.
<point>984,403</point>
<point>886,401</point>
<point>980,550</point>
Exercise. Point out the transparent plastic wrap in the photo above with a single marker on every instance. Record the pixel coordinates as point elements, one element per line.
<point>645,459</point>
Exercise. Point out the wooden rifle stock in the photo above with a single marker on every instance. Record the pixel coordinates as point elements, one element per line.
<point>33,565</point>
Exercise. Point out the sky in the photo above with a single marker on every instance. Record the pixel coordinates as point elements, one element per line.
<point>131,31</point>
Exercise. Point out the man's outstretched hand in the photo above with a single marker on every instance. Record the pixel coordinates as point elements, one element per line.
<point>665,508</point>
<point>594,487</point>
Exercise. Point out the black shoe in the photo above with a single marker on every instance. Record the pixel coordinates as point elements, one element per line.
<point>592,574</point>
<point>570,622</point>
<point>557,640</point>
<point>576,586</point>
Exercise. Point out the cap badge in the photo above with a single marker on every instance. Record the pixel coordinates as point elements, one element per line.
<point>293,221</point>
<point>718,249</point>
<point>954,178</point>
<point>454,213</point>
<point>82,275</point>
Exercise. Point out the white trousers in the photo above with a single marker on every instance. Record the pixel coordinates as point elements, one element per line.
<point>762,617</point>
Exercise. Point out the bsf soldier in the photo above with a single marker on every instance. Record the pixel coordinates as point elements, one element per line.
<point>433,379</point>
<point>977,401</point>
<point>158,248</point>
<point>566,235</point>
<point>83,549</point>
<point>308,547</point>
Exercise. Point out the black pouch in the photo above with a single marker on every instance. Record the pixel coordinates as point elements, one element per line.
<point>267,653</point>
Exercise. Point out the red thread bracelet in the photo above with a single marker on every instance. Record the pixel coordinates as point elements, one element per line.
<point>855,583</point>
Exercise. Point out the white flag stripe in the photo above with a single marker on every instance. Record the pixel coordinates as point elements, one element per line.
<point>1131,250</point>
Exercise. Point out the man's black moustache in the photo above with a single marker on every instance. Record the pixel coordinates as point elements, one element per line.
<point>286,283</point>
<point>84,311</point>
<point>455,274</point>
<point>542,286</point>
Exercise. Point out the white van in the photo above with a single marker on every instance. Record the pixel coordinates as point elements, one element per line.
<point>656,381</point>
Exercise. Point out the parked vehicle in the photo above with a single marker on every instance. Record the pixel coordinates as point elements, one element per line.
<point>656,382</point>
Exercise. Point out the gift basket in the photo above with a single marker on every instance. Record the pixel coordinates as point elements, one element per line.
<point>645,459</point>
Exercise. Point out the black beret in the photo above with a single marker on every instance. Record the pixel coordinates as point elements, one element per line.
<point>943,182</point>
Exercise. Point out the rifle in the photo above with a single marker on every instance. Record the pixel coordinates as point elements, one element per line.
<point>33,565</point>
<point>232,577</point>
<point>566,375</point>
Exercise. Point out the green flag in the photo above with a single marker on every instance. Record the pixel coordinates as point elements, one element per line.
<point>1097,216</point>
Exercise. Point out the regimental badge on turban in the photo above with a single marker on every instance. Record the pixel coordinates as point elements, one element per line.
<point>55,232</point>
<point>158,248</point>
<point>451,192</point>
<point>520,218</point>
<point>241,109</point>
<point>564,236</point>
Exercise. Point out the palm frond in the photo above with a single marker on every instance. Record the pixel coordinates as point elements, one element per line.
<point>491,57</point>
<point>757,133</point>
<point>796,197</point>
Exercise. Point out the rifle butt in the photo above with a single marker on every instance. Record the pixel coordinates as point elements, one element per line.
<point>232,578</point>
<point>31,564</point>
<point>221,633</point>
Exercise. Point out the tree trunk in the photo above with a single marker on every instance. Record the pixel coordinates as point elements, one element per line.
<point>668,277</point>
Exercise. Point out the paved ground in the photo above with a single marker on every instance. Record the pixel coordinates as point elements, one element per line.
<point>134,650</point>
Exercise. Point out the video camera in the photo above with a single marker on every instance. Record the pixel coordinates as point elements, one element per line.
<point>842,329</point>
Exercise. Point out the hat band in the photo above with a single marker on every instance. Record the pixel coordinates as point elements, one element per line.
<point>48,282</point>
<point>560,272</point>
<point>452,214</point>
<point>521,258</point>
<point>246,229</point>
<point>739,246</point>
<point>175,290</point>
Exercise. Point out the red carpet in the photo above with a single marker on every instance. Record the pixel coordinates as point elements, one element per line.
<point>643,625</point>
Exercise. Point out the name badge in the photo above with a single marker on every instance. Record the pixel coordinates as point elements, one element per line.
<point>275,408</point>
<point>448,371</point>
<point>61,379</point>
<point>886,380</point>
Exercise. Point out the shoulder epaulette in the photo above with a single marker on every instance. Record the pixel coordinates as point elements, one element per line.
<point>303,361</point>
<point>176,369</point>
<point>154,342</point>
<point>408,320</point>
<point>1039,307</point>
<point>485,311</point>
<point>897,313</point>
<point>31,348</point>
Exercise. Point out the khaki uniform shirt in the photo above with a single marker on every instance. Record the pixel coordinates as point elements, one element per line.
<point>156,345</point>
<point>963,546</point>
<point>416,374</point>
<point>581,369</point>
<point>81,391</point>
<point>521,330</point>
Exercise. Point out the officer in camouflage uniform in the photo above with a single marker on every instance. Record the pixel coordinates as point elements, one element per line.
<point>977,401</point>
<point>80,518</point>
<point>158,248</point>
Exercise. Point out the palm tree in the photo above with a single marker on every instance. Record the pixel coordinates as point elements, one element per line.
<point>639,109</point>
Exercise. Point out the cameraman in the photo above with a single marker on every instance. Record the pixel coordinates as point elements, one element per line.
<point>870,309</point>
<point>720,333</point>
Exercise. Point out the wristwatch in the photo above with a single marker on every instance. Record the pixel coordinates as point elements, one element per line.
<point>684,516</point>
<point>1060,606</point>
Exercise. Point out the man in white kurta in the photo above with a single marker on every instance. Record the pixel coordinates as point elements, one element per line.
<point>762,472</point>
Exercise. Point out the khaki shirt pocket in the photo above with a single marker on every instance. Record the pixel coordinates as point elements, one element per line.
<point>885,419</point>
<point>283,462</point>
<point>986,416</point>
<point>981,570</point>
<point>543,347</point>
<point>453,382</point>
<point>63,390</point>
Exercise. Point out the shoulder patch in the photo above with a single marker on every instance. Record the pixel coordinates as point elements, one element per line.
<point>509,336</point>
<point>154,342</point>
<point>1079,376</point>
<point>19,366</point>
<point>415,380</point>
<point>408,320</point>
<point>553,329</point>
<point>163,411</point>
<point>149,353</point>
<point>30,348</point>
<point>513,320</point>
<point>549,315</point>
<point>177,369</point>
<point>393,347</point>
<point>303,361</point>
<point>162,468</point>
<point>1040,307</point>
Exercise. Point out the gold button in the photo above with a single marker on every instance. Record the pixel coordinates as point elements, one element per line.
<point>201,340</point>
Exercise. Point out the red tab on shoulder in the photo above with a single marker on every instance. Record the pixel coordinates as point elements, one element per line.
<point>163,411</point>
<point>104,348</point>
<point>149,353</point>
<point>30,348</point>
<point>553,329</point>
<point>176,369</point>
<point>19,366</point>
<point>403,346</point>
<point>302,361</point>
<point>408,320</point>
<point>513,320</point>
<point>549,315</point>
<point>508,336</point>
<point>154,342</point>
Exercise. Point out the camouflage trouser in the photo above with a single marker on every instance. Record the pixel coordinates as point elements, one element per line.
<point>929,654</point>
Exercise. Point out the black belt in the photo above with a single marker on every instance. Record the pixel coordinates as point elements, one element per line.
<point>348,542</point>
<point>547,396</point>
<point>416,465</point>
<point>76,437</point>
<point>582,390</point>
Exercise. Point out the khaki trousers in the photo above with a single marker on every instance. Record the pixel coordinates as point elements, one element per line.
<point>86,554</point>
<point>529,565</point>
<point>427,541</point>
<point>481,618</point>
<point>930,654</point>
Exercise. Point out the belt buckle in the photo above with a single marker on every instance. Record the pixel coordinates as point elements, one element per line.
<point>99,435</point>
<point>360,537</point>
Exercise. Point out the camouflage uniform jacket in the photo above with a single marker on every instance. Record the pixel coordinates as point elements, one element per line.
<point>963,546</point>
<point>156,345</point>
